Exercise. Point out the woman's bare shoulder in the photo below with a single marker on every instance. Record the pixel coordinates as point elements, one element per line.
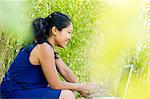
<point>45,50</point>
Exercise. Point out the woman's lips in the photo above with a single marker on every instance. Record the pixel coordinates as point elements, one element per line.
<point>66,42</point>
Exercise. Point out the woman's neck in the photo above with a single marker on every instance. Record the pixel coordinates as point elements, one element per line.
<point>51,41</point>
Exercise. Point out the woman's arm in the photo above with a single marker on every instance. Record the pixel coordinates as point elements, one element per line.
<point>47,62</point>
<point>65,71</point>
<point>68,75</point>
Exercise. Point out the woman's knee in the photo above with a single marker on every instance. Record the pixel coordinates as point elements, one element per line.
<point>67,94</point>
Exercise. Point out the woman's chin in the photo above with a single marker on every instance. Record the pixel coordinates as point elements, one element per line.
<point>62,46</point>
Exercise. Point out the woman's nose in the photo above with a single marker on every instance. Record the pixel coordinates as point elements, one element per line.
<point>69,37</point>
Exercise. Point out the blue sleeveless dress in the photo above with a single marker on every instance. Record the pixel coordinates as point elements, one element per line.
<point>24,80</point>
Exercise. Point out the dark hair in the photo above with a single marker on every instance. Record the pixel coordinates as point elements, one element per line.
<point>42,26</point>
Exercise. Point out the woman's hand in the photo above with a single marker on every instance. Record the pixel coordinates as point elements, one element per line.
<point>94,89</point>
<point>89,91</point>
<point>84,94</point>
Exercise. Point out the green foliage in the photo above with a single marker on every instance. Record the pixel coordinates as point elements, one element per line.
<point>9,47</point>
<point>140,59</point>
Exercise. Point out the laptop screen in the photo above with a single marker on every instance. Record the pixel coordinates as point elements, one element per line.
<point>124,81</point>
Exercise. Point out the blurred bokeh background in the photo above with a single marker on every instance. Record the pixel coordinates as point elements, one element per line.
<point>108,35</point>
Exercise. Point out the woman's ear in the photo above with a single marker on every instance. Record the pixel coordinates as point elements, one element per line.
<point>54,30</point>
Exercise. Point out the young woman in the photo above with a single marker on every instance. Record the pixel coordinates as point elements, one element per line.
<point>33,74</point>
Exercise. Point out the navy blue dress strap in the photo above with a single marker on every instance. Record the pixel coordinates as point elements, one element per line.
<point>55,53</point>
<point>50,44</point>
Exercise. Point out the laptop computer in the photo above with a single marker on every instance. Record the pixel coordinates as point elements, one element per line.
<point>122,84</point>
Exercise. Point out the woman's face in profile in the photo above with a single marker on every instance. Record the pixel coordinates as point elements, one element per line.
<point>64,36</point>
